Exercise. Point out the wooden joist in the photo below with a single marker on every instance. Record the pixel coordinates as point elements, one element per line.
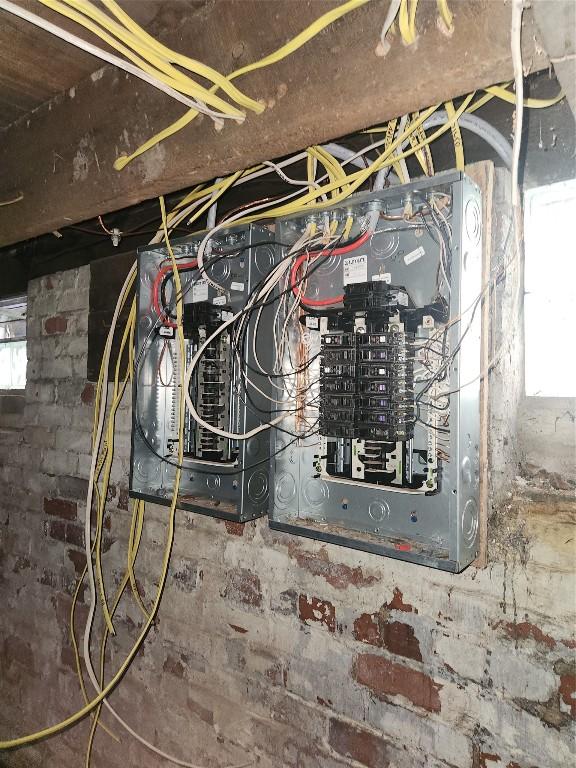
<point>61,156</point>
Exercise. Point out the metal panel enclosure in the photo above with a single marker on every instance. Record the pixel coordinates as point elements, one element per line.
<point>435,524</point>
<point>220,477</point>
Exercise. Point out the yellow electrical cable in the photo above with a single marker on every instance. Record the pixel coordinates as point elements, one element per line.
<point>184,61</point>
<point>326,164</point>
<point>390,131</point>
<point>413,7</point>
<point>88,708</point>
<point>172,76</point>
<point>456,136</point>
<point>356,179</point>
<point>226,184</point>
<point>293,45</point>
<point>347,227</point>
<point>178,81</point>
<point>407,21</point>
<point>310,170</point>
<point>135,537</point>
<point>506,95</point>
<point>77,656</point>
<point>417,138</point>
<point>118,393</point>
<point>129,332</point>
<point>97,398</point>
<point>135,512</point>
<point>338,170</point>
<point>445,14</point>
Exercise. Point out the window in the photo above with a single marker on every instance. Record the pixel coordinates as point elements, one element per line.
<point>550,285</point>
<point>13,343</point>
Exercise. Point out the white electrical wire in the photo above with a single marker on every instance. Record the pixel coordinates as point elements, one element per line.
<point>88,543</point>
<point>110,58</point>
<point>516,48</point>
<point>274,277</point>
<point>384,46</point>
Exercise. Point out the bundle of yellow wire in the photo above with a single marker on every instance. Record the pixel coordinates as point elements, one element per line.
<point>123,34</point>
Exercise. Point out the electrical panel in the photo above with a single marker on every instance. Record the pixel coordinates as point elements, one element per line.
<point>384,350</point>
<point>221,476</point>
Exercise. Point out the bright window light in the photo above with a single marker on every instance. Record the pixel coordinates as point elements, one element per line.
<point>550,285</point>
<point>13,343</point>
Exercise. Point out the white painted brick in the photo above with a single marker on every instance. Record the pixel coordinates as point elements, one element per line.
<point>59,462</point>
<point>517,677</point>
<point>73,299</point>
<point>462,655</point>
<point>77,441</point>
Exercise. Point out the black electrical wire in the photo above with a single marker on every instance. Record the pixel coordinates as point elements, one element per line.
<point>176,298</point>
<point>219,470</point>
<point>258,305</point>
<point>232,253</point>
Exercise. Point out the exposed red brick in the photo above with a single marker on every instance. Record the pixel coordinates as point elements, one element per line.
<point>123,499</point>
<point>174,667</point>
<point>56,529</point>
<point>399,638</point>
<point>484,757</point>
<point>234,529</point>
<point>524,630</point>
<point>314,609</point>
<point>357,744</point>
<point>397,603</point>
<point>56,324</point>
<point>386,678</point>
<point>567,692</point>
<point>87,395</point>
<point>79,560</point>
<point>244,586</point>
<point>238,629</point>
<point>75,535</point>
<point>569,643</point>
<point>396,636</point>
<point>366,630</point>
<point>60,508</point>
<point>338,575</point>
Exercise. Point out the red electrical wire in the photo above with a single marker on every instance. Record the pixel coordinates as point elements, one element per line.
<point>316,255</point>
<point>156,286</point>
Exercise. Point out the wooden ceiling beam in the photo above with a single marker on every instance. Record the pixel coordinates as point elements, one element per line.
<point>61,156</point>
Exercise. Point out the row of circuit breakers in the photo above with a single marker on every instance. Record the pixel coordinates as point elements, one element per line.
<point>374,371</point>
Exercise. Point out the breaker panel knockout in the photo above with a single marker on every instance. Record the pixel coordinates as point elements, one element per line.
<point>222,477</point>
<point>384,346</point>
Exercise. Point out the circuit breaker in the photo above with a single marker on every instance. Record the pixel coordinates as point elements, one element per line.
<point>384,350</point>
<point>221,476</point>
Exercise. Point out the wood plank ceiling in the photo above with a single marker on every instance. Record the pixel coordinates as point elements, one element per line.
<point>36,66</point>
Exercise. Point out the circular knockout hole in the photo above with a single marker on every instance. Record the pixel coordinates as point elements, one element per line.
<point>413,517</point>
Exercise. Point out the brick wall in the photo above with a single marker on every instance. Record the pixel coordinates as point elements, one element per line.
<point>271,650</point>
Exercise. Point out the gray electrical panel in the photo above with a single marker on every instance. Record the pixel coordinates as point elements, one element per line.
<point>385,349</point>
<point>223,477</point>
